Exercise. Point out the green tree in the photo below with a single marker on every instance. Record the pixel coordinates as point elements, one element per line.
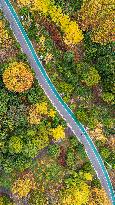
<point>91,77</point>
<point>8,165</point>
<point>105,152</point>
<point>82,115</point>
<point>105,67</point>
<point>108,97</point>
<point>30,150</point>
<point>15,144</point>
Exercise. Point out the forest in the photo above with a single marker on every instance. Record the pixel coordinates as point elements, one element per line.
<point>41,161</point>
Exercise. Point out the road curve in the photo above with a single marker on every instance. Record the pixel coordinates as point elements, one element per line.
<point>49,89</point>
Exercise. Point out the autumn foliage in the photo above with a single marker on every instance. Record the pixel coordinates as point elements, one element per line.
<point>98,15</point>
<point>76,195</point>
<point>72,33</point>
<point>99,196</point>
<point>58,132</point>
<point>5,40</point>
<point>17,77</point>
<point>23,186</point>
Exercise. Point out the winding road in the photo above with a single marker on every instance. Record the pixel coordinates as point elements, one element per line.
<point>51,92</point>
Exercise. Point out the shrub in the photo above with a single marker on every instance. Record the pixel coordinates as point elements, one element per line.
<point>105,67</point>
<point>93,121</point>
<point>53,171</point>
<point>4,98</point>
<point>16,115</point>
<point>34,94</point>
<point>82,115</point>
<point>88,176</point>
<point>52,113</point>
<point>72,6</point>
<point>87,167</point>
<point>111,159</point>
<point>16,163</point>
<point>108,122</point>
<point>22,57</point>
<point>35,143</point>
<point>31,133</point>
<point>41,141</point>
<point>55,122</point>
<point>48,171</point>
<point>17,77</point>
<point>96,183</point>
<point>65,88</point>
<point>3,108</point>
<point>97,133</point>
<point>81,151</point>
<point>77,3</point>
<point>6,181</point>
<point>8,166</point>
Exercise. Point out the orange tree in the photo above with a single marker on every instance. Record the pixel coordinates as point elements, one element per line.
<point>17,77</point>
<point>98,196</point>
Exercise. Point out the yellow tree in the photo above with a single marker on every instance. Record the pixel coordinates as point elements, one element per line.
<point>73,34</point>
<point>36,111</point>
<point>5,40</point>
<point>76,195</point>
<point>18,77</point>
<point>99,16</point>
<point>58,132</point>
<point>23,186</point>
